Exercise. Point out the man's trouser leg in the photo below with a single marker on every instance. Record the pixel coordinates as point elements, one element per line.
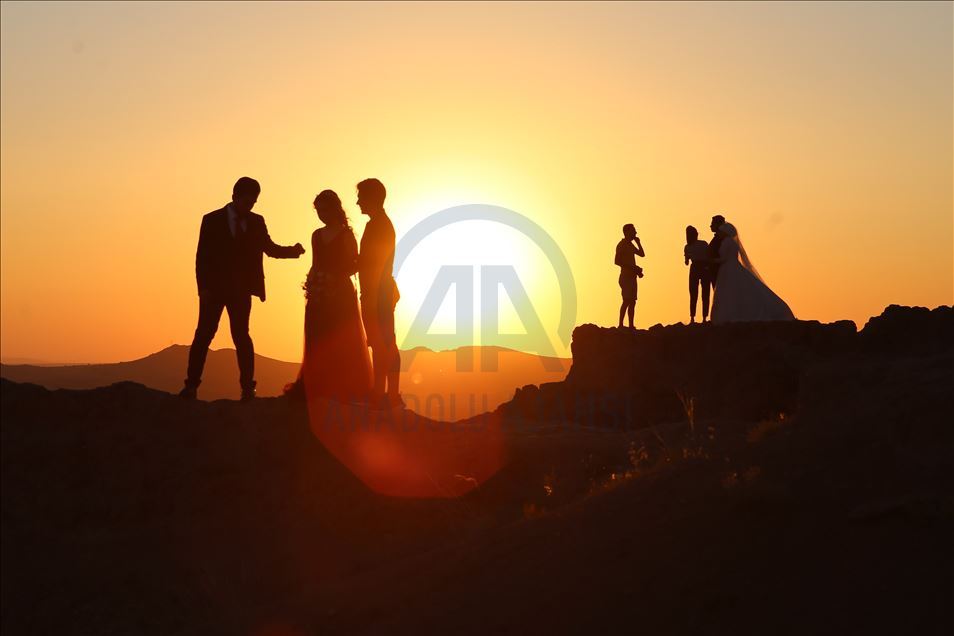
<point>240,308</point>
<point>210,311</point>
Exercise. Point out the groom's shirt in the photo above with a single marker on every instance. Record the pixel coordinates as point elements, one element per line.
<point>234,223</point>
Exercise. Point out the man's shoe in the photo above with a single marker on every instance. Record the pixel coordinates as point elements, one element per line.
<point>188,393</point>
<point>248,392</point>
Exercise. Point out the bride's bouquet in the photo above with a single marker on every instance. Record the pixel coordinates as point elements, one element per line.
<point>319,284</point>
<point>315,285</point>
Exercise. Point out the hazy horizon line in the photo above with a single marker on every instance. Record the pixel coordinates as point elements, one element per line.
<point>27,361</point>
<point>39,362</point>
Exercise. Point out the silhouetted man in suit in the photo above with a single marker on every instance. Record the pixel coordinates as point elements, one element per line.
<point>713,250</point>
<point>228,270</point>
<point>379,293</point>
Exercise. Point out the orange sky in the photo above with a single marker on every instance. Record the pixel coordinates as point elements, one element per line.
<point>823,131</point>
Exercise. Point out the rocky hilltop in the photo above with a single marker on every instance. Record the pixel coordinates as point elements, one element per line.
<point>748,371</point>
<point>126,510</point>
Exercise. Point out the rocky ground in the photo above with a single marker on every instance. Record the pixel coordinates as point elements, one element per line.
<point>806,486</point>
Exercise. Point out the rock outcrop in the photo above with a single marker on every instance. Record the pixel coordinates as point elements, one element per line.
<point>747,371</point>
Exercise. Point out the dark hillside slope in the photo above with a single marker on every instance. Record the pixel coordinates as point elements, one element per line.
<point>127,510</point>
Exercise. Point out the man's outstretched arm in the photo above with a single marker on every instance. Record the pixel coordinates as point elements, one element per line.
<point>280,251</point>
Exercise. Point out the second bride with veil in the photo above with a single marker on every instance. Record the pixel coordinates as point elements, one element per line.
<point>740,293</point>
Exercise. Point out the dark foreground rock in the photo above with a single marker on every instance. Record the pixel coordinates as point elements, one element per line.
<point>128,511</point>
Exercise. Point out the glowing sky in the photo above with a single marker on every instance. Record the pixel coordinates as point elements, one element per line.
<point>823,131</point>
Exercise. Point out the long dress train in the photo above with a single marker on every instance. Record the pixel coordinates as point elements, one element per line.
<point>740,295</point>
<point>336,363</point>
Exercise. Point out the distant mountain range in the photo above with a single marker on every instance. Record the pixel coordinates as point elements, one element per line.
<point>431,385</point>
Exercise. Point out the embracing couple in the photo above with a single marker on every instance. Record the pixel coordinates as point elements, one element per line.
<point>338,332</point>
<point>741,295</point>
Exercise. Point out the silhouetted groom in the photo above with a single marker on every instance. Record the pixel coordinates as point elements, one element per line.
<point>379,293</point>
<point>228,270</point>
<point>712,252</point>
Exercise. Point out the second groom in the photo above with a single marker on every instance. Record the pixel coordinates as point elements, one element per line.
<point>379,293</point>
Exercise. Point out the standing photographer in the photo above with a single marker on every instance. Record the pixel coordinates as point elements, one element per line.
<point>628,248</point>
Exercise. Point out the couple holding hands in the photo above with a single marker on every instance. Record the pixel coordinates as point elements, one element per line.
<point>336,363</point>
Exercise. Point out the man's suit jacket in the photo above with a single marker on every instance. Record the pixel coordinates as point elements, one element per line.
<point>712,251</point>
<point>230,265</point>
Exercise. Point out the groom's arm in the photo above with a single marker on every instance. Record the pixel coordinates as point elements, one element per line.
<point>279,251</point>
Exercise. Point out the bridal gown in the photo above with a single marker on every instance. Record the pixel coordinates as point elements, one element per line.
<point>336,362</point>
<point>740,296</point>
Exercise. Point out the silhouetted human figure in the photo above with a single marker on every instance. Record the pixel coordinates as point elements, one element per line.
<point>379,293</point>
<point>741,295</point>
<point>712,254</point>
<point>628,248</point>
<point>335,362</point>
<point>695,252</point>
<point>228,270</point>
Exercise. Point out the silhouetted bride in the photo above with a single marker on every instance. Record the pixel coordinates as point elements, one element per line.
<point>336,363</point>
<point>740,293</point>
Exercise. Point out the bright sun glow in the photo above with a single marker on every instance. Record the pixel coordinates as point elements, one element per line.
<point>812,129</point>
<point>474,244</point>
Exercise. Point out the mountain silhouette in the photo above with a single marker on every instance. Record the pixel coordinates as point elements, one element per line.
<point>163,370</point>
<point>432,385</point>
